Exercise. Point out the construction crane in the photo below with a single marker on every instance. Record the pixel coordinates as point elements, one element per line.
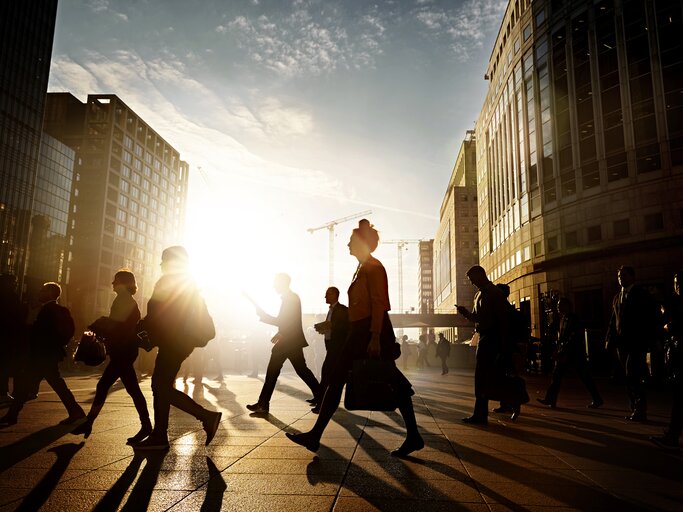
<point>330,229</point>
<point>400,245</point>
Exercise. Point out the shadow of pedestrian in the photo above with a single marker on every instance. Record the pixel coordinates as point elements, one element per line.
<point>31,444</point>
<point>114,496</point>
<point>213,501</point>
<point>41,492</point>
<point>141,494</point>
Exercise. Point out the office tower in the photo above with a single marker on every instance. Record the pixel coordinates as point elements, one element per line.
<point>26,32</point>
<point>128,197</point>
<point>456,243</point>
<point>580,151</point>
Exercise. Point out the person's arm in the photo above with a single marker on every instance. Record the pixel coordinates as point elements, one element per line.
<point>379,304</point>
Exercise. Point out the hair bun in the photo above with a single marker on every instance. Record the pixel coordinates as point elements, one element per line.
<point>364,224</point>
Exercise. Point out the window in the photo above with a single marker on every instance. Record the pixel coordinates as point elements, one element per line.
<point>594,233</point>
<point>538,249</point>
<point>653,222</point>
<point>622,228</point>
<point>120,230</point>
<point>571,239</point>
<point>552,244</point>
<point>121,215</point>
<point>527,32</point>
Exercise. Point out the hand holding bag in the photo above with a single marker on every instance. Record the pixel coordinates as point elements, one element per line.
<point>370,386</point>
<point>91,350</point>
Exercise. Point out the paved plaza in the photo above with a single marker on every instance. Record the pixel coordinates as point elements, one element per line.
<point>570,458</point>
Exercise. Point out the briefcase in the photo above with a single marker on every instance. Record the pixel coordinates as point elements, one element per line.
<point>370,386</point>
<point>91,350</point>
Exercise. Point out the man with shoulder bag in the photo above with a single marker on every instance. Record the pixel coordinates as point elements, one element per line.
<point>177,322</point>
<point>50,333</point>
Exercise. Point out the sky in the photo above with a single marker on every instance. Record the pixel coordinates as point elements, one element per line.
<point>297,113</point>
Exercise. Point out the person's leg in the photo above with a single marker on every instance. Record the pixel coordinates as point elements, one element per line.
<point>277,359</point>
<point>130,382</point>
<point>165,371</point>
<point>584,375</point>
<point>413,441</point>
<point>556,381</point>
<point>56,382</point>
<point>109,376</point>
<point>296,357</point>
<point>483,375</point>
<point>636,373</point>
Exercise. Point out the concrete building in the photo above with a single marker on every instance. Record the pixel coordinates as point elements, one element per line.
<point>425,284</point>
<point>580,151</point>
<point>457,240</point>
<point>26,33</point>
<point>47,259</point>
<point>128,197</point>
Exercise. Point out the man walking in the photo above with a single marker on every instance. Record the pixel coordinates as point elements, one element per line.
<point>335,329</point>
<point>289,343</point>
<point>490,314</point>
<point>51,331</point>
<point>443,350</point>
<point>174,303</point>
<point>631,326</point>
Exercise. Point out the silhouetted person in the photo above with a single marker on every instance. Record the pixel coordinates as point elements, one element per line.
<point>571,352</point>
<point>289,343</point>
<point>11,327</point>
<point>405,351</point>
<point>422,348</point>
<point>674,330</point>
<point>491,316</point>
<point>443,350</point>
<point>370,335</point>
<point>119,333</point>
<point>174,297</point>
<point>335,329</point>
<point>51,331</point>
<point>631,326</point>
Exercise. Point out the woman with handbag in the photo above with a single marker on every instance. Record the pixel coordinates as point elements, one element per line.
<point>119,333</point>
<point>370,336</point>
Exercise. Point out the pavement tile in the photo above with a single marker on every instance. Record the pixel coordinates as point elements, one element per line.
<point>312,484</point>
<point>299,452</point>
<point>28,478</point>
<point>289,466</point>
<point>240,502</point>
<point>356,504</point>
<point>371,486</point>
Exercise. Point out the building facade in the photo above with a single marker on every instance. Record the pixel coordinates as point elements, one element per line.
<point>26,33</point>
<point>580,151</point>
<point>456,246</point>
<point>47,256</point>
<point>425,284</point>
<point>127,200</point>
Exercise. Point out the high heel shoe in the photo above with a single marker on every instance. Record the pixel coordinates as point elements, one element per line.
<point>305,439</point>
<point>410,445</point>
<point>84,428</point>
<point>143,433</point>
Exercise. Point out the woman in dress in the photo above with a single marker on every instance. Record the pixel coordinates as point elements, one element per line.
<point>119,333</point>
<point>370,335</point>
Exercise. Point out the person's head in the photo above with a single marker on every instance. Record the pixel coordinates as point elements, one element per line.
<point>441,336</point>
<point>364,240</point>
<point>564,306</point>
<point>332,295</point>
<point>281,283</point>
<point>626,276</point>
<point>477,276</point>
<point>677,282</point>
<point>404,337</point>
<point>504,288</point>
<point>174,259</point>
<point>49,292</point>
<point>124,280</point>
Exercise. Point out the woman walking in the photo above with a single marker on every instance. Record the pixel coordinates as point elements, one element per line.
<point>118,331</point>
<point>370,335</point>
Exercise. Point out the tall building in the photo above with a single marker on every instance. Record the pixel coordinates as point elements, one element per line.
<point>425,288</point>
<point>580,150</point>
<point>128,197</point>
<point>456,246</point>
<point>26,33</point>
<point>50,215</point>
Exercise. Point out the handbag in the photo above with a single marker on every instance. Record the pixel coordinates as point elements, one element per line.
<point>91,349</point>
<point>370,386</point>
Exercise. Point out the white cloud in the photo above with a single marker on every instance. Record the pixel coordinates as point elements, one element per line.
<point>103,6</point>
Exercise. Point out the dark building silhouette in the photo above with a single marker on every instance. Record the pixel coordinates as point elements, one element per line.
<point>26,33</point>
<point>127,199</point>
<point>580,150</point>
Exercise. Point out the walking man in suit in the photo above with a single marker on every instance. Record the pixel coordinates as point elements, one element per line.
<point>289,343</point>
<point>631,326</point>
<point>50,333</point>
<point>335,328</point>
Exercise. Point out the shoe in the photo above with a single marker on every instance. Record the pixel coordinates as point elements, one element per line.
<point>473,420</point>
<point>547,402</point>
<point>84,428</point>
<point>516,410</point>
<point>665,441</point>
<point>410,445</point>
<point>637,416</point>
<point>503,409</point>
<point>211,426</point>
<point>258,408</point>
<point>316,410</point>
<point>305,439</point>
<point>595,404</point>
<point>143,433</point>
<point>72,418</point>
<point>153,443</point>
<point>313,400</point>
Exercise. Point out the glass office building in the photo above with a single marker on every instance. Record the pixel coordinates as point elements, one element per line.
<point>580,150</point>
<point>26,33</point>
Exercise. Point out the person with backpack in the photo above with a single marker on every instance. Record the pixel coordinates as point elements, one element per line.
<point>119,333</point>
<point>50,333</point>
<point>177,322</point>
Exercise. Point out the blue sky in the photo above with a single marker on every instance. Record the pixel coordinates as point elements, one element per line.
<point>298,112</point>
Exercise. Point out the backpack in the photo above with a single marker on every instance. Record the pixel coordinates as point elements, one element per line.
<point>199,326</point>
<point>64,325</point>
